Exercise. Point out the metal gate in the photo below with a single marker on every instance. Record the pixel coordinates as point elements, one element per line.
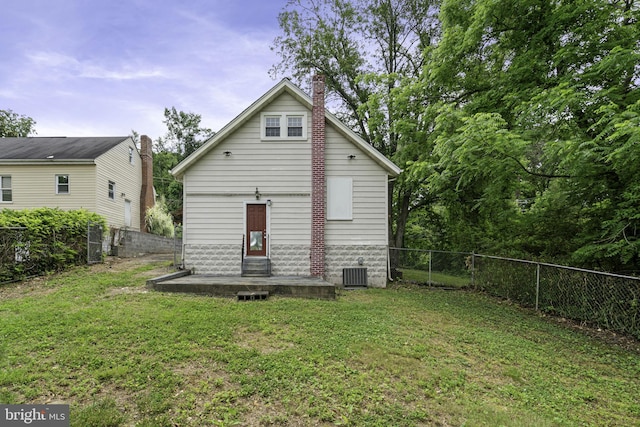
<point>94,243</point>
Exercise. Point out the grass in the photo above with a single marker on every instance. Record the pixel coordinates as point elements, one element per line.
<point>404,356</point>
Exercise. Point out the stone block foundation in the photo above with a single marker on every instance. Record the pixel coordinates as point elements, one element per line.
<point>374,258</point>
<point>292,260</point>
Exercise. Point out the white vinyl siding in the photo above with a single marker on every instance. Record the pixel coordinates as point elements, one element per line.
<point>116,166</point>
<point>217,186</point>
<point>35,186</point>
<point>368,225</point>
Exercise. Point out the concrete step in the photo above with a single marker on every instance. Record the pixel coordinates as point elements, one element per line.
<point>256,267</point>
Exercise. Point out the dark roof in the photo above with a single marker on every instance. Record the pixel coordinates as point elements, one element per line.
<point>61,148</point>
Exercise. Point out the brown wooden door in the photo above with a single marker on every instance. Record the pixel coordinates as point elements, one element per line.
<point>257,230</point>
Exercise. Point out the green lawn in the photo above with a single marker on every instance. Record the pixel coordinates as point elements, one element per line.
<point>403,356</point>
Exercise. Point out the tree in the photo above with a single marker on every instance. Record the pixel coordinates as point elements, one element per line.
<point>15,125</point>
<point>366,49</point>
<point>556,86</point>
<point>184,134</point>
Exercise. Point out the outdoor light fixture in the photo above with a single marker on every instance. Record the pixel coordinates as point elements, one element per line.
<point>351,156</point>
<point>360,261</point>
<point>227,153</point>
<point>257,194</point>
<point>269,202</point>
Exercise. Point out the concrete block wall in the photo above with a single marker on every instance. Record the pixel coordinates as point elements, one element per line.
<point>133,243</point>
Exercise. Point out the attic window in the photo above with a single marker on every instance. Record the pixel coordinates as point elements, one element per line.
<point>131,155</point>
<point>272,126</point>
<point>294,126</point>
<point>284,126</point>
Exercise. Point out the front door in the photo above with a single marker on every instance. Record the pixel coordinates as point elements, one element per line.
<point>257,230</point>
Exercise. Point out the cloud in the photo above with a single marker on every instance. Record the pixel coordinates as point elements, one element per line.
<point>104,68</point>
<point>69,67</point>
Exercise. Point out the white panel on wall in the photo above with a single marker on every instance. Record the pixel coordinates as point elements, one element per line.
<point>339,198</point>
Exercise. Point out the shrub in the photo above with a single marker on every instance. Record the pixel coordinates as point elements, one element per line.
<point>159,221</point>
<point>36,241</point>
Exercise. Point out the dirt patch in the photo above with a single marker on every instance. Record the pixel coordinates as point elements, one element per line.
<point>43,285</point>
<point>611,338</point>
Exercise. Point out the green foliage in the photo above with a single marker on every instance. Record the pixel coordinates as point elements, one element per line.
<point>367,50</point>
<point>165,184</point>
<point>36,241</point>
<point>184,136</point>
<point>536,129</point>
<point>184,132</point>
<point>103,413</point>
<point>158,219</point>
<point>12,124</point>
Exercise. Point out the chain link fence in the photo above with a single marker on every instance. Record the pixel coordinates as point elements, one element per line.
<point>24,253</point>
<point>605,300</point>
<point>94,243</point>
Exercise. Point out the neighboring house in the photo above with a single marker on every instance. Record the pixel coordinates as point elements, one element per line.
<point>288,184</point>
<point>101,175</point>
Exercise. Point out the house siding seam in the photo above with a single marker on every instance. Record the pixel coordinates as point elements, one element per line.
<point>374,258</point>
<point>317,260</point>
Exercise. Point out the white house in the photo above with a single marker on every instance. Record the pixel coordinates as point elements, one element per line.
<point>100,174</point>
<point>287,185</point>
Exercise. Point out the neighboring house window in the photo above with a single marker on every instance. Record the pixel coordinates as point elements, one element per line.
<point>131,158</point>
<point>284,126</point>
<point>112,190</point>
<point>62,184</point>
<point>339,198</point>
<point>5,189</point>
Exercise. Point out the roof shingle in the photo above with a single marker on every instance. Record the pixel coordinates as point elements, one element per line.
<point>61,148</point>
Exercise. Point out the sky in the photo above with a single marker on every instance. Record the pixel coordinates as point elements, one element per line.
<point>107,67</point>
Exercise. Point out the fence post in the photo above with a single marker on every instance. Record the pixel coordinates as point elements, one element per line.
<point>430,259</point>
<point>537,284</point>
<point>473,270</point>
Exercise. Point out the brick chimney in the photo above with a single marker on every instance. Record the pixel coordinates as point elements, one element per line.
<point>146,193</point>
<point>317,177</point>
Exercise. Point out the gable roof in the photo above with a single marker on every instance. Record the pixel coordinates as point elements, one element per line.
<point>47,149</point>
<point>285,86</point>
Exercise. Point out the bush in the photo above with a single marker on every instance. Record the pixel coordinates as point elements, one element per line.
<point>36,241</point>
<point>159,220</point>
